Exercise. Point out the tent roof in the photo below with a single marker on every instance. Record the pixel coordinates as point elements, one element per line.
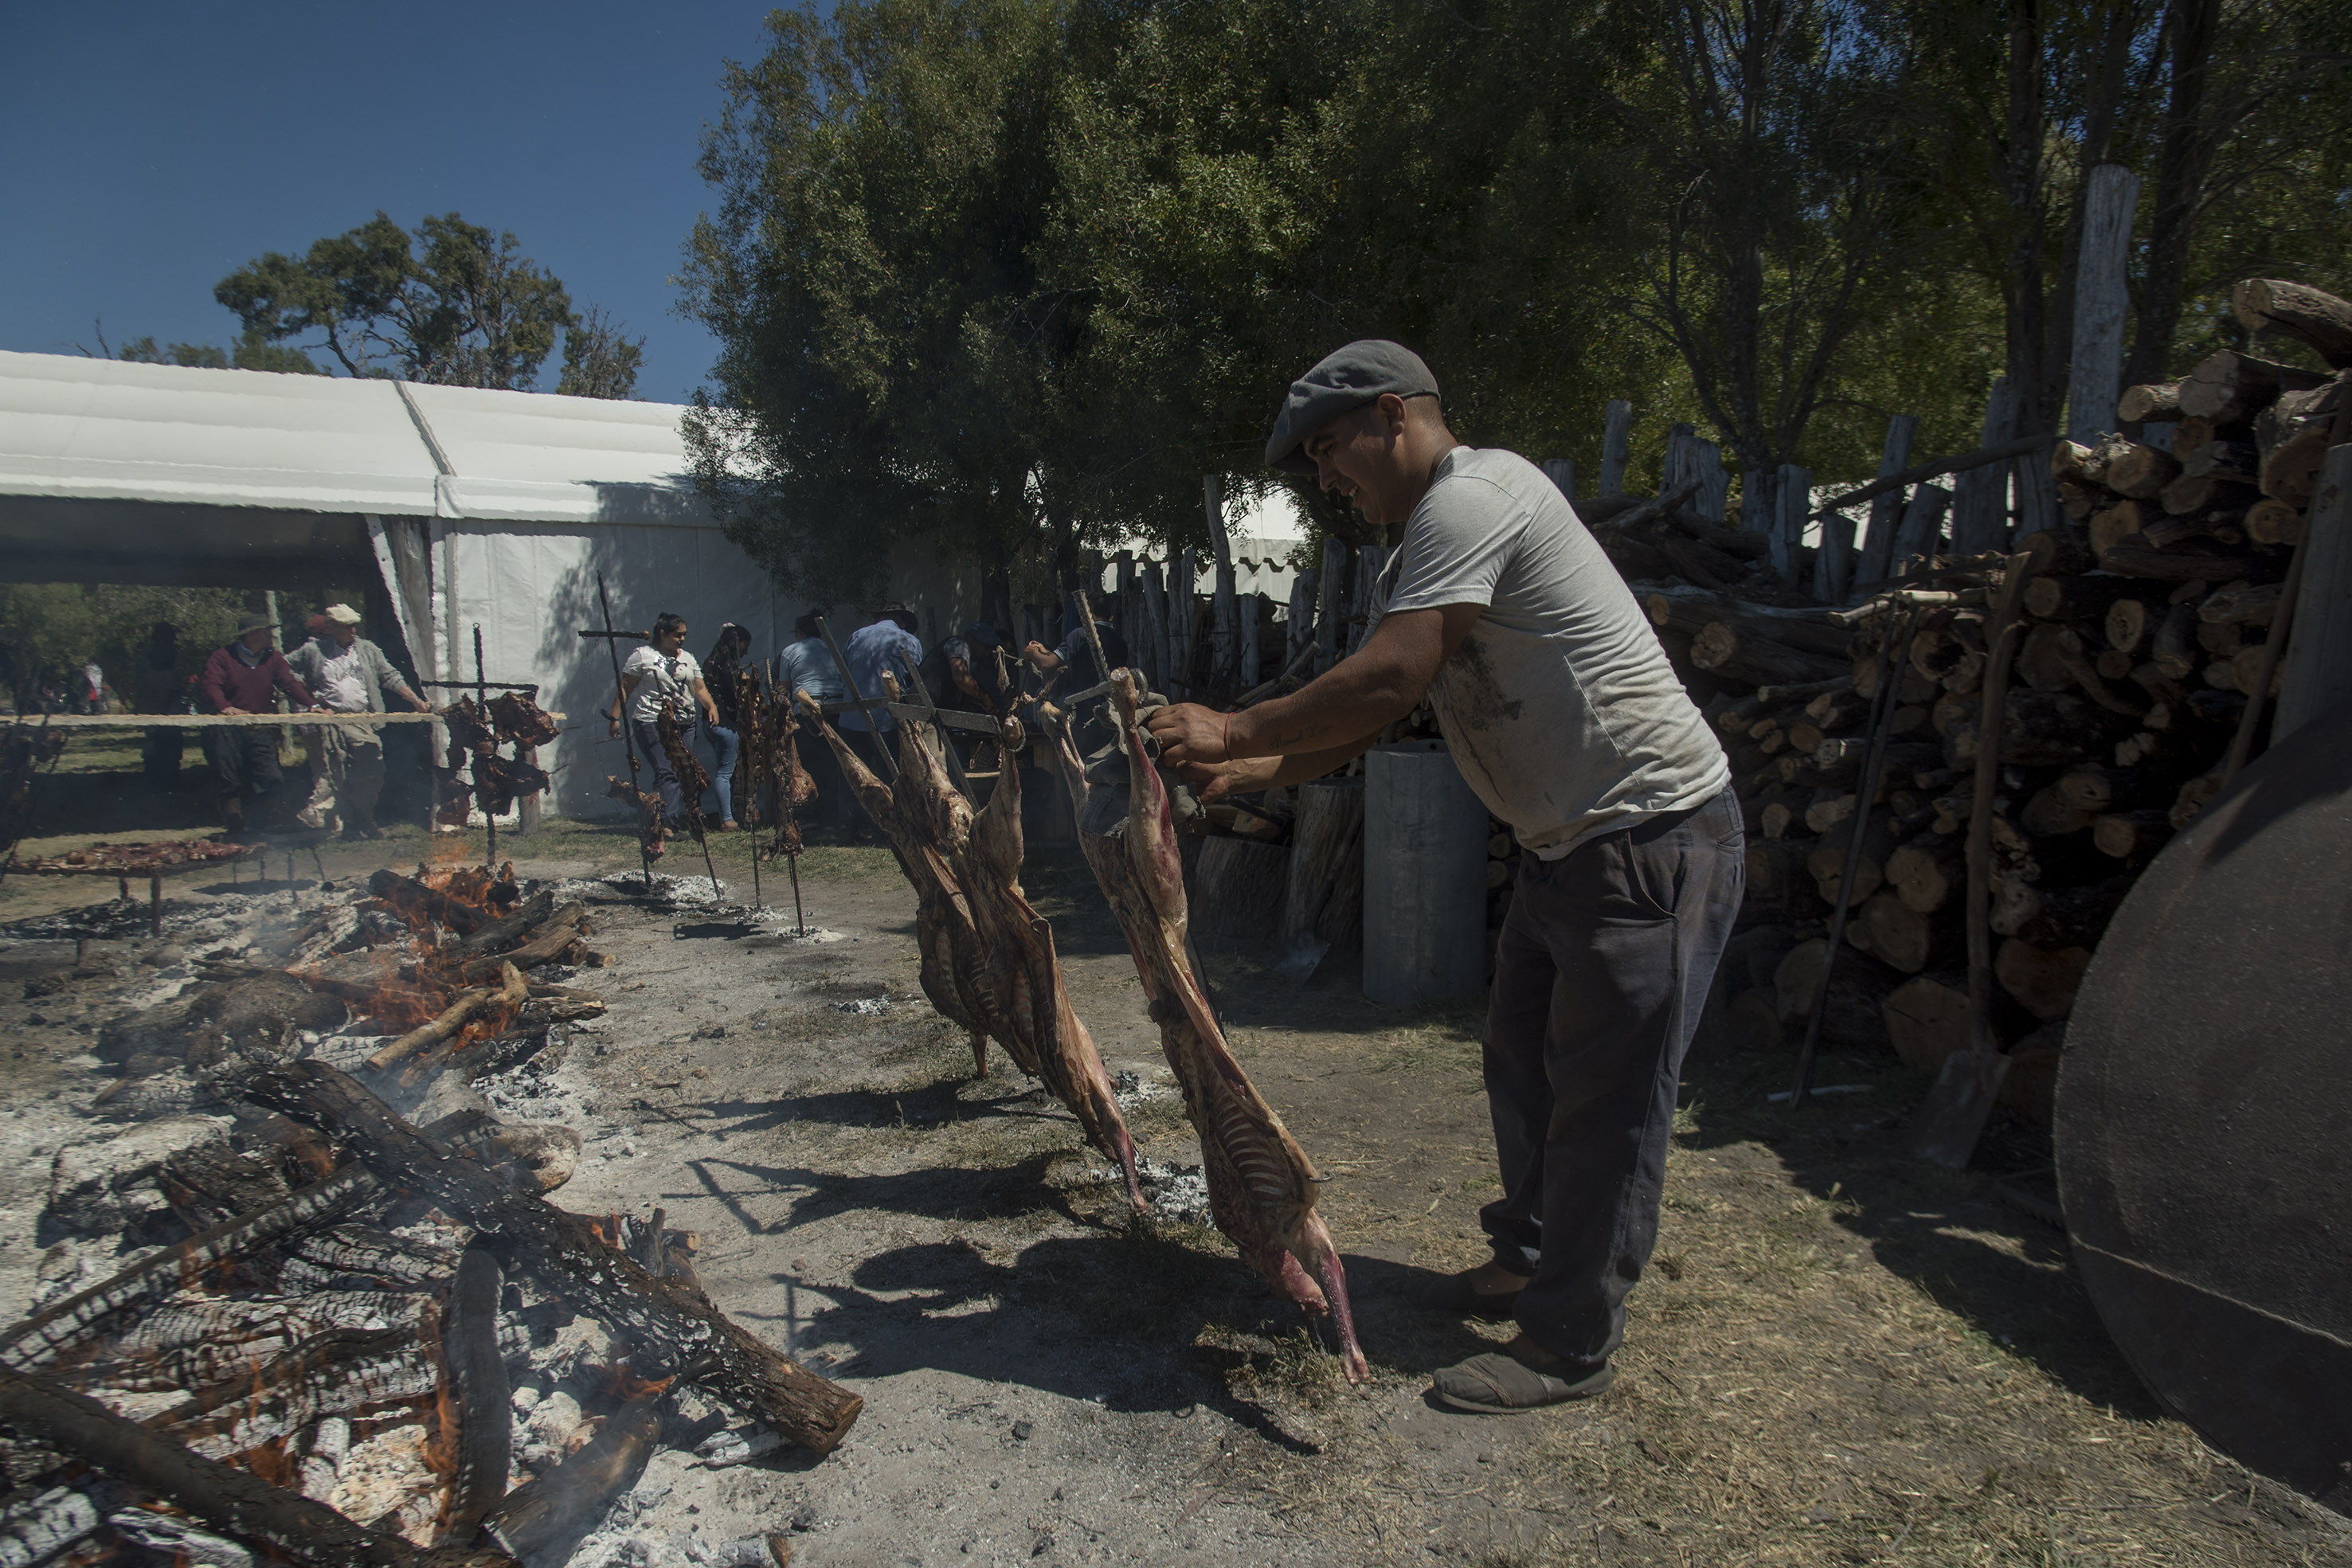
<point>106,430</point>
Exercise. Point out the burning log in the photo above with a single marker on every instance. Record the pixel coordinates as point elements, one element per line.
<point>538,1522</point>
<point>558,936</point>
<point>417,901</point>
<point>236,1500</point>
<point>331,1374</point>
<point>509,994</point>
<point>72,1322</point>
<point>510,929</point>
<point>478,1380</point>
<point>563,1250</point>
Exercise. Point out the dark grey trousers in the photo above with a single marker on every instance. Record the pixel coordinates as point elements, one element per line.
<point>1603,965</point>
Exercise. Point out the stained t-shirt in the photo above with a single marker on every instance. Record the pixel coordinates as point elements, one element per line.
<point>1560,707</point>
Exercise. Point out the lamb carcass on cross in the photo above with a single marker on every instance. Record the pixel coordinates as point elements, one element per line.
<point>1262,1189</point>
<point>987,956</point>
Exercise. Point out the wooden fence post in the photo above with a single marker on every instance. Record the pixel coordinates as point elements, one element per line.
<point>1152,647</point>
<point>1922,529</point>
<point>1327,604</point>
<point>1792,493</point>
<point>1887,508</point>
<point>1246,606</point>
<point>1562,472</point>
<point>1224,628</point>
<point>1302,613</point>
<point>1183,614</point>
<point>1616,440</point>
<point>1980,495</point>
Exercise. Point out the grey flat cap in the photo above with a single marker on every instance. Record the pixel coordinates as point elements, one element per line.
<point>1345,378</point>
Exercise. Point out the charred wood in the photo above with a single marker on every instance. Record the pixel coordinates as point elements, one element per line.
<point>562,1251</point>
<point>236,1500</point>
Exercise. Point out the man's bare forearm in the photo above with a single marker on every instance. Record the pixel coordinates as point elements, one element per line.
<point>1353,699</point>
<point>1300,767</point>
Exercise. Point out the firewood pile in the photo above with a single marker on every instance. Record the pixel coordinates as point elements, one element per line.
<point>313,1302</point>
<point>2144,633</point>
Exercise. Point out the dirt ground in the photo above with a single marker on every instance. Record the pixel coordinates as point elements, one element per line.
<point>1839,1355</point>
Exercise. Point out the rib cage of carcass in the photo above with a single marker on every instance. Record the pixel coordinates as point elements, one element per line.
<point>1261,1189</point>
<point>987,957</point>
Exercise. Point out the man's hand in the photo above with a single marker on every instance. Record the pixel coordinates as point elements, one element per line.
<point>1040,655</point>
<point>1213,781</point>
<point>230,710</point>
<point>613,730</point>
<point>1189,735</point>
<point>419,704</point>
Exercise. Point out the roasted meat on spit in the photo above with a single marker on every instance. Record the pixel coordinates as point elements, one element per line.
<point>693,783</point>
<point>468,727</point>
<point>946,940</point>
<point>988,958</point>
<point>498,782</point>
<point>1261,1186</point>
<point>521,720</point>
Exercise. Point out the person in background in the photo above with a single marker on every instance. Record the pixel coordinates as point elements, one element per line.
<point>157,687</point>
<point>242,679</point>
<point>807,665</point>
<point>718,672</point>
<point>661,675</point>
<point>1075,657</point>
<point>889,645</point>
<point>347,674</point>
<point>90,689</point>
<point>1078,671</point>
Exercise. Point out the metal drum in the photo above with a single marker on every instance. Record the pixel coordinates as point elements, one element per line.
<point>2204,1119</point>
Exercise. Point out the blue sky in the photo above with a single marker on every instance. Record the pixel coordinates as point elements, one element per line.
<point>146,150</point>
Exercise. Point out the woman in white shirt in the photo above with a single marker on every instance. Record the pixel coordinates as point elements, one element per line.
<point>662,674</point>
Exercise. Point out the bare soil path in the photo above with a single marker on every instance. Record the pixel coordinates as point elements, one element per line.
<point>1838,1357</point>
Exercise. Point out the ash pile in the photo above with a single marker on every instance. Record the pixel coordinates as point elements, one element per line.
<point>309,1300</point>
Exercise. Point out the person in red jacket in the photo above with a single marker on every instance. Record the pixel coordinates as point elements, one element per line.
<point>238,679</point>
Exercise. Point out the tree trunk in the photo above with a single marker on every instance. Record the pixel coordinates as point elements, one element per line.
<point>2185,155</point>
<point>1877,562</point>
<point>1237,890</point>
<point>1325,894</point>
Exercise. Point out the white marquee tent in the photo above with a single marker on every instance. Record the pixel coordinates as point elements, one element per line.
<point>456,507</point>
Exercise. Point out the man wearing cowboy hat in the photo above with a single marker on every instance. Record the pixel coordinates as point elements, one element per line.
<point>1500,609</point>
<point>349,675</point>
<point>242,678</point>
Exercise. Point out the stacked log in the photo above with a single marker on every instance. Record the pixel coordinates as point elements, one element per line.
<point>2145,632</point>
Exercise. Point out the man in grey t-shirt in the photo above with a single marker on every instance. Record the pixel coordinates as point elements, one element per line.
<point>1562,712</point>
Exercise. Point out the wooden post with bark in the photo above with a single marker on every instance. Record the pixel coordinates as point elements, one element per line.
<point>1877,562</point>
<point>1980,495</point>
<point>1616,439</point>
<point>1224,625</point>
<point>1562,472</point>
<point>1792,493</point>
<point>2102,302</point>
<point>1327,604</point>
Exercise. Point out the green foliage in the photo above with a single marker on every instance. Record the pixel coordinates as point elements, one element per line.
<point>452,305</point>
<point>1004,278</point>
<point>599,359</point>
<point>252,352</point>
<point>54,628</point>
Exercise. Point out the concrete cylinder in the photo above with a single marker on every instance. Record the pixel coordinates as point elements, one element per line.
<point>1424,877</point>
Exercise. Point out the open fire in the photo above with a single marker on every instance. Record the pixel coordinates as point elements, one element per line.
<point>350,1327</point>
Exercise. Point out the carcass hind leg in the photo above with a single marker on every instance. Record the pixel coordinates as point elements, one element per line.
<point>1316,1244</point>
